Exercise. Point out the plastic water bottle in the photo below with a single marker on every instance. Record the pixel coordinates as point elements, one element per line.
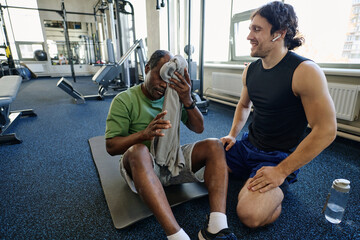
<point>337,200</point>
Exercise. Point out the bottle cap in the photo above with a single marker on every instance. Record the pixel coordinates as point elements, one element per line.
<point>342,185</point>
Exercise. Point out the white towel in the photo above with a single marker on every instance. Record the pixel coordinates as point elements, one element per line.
<point>176,64</point>
<point>166,149</point>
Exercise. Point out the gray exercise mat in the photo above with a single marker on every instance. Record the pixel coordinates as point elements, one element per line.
<point>125,206</point>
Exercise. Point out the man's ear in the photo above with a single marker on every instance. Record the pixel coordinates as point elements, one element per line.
<point>283,33</point>
<point>147,68</point>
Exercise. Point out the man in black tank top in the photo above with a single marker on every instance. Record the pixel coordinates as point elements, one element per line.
<point>287,93</point>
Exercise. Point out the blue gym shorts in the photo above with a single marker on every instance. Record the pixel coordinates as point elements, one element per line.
<point>244,159</point>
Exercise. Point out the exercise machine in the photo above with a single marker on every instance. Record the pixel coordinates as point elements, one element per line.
<point>195,83</point>
<point>106,75</point>
<point>9,87</point>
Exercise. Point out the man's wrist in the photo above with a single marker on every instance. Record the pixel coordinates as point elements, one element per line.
<point>284,172</point>
<point>191,106</point>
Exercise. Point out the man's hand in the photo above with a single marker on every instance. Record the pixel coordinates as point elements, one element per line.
<point>266,178</point>
<point>155,126</point>
<point>229,140</point>
<point>183,88</point>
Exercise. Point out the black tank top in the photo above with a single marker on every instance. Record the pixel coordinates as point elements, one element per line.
<point>279,120</point>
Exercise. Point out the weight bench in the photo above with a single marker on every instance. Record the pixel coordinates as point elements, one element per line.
<point>9,86</point>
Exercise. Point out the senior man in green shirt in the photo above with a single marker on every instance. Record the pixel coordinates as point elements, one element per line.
<point>135,118</point>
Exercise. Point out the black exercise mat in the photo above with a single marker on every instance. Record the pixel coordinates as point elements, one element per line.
<point>125,206</point>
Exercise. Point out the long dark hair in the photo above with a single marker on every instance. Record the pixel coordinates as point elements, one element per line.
<point>282,17</point>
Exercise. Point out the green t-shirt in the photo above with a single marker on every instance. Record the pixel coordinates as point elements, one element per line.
<point>131,111</point>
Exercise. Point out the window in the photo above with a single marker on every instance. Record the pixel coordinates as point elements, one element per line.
<point>20,19</point>
<point>240,47</point>
<point>22,26</point>
<point>140,19</point>
<point>240,21</point>
<point>328,34</point>
<point>216,31</point>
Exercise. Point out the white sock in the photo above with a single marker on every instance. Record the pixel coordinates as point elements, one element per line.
<point>180,235</point>
<point>217,222</point>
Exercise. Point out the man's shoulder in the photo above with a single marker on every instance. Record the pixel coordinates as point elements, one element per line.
<point>308,67</point>
<point>307,77</point>
<point>293,56</point>
<point>255,65</point>
<point>126,100</point>
<point>134,90</point>
<point>129,93</point>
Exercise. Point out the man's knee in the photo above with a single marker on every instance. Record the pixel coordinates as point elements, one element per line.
<point>248,216</point>
<point>212,147</point>
<point>137,156</point>
<point>215,153</point>
<point>253,218</point>
<point>215,144</point>
<point>209,152</point>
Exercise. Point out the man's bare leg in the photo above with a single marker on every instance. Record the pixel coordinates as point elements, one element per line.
<point>257,209</point>
<point>211,152</point>
<point>139,165</point>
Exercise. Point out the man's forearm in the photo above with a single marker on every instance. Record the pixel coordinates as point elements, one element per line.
<point>240,118</point>
<point>195,120</point>
<point>119,145</point>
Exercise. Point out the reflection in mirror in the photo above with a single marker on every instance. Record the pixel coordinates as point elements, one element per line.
<point>81,42</point>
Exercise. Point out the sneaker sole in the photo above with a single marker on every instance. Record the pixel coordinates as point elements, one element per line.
<point>200,236</point>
